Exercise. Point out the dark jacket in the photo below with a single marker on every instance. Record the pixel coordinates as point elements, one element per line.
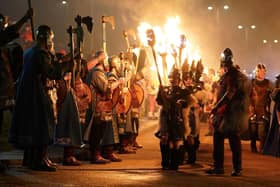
<point>236,84</point>
<point>33,114</point>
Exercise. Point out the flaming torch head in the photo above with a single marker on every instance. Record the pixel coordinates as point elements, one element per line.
<point>151,37</point>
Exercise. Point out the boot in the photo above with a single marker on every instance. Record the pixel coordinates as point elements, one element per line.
<point>254,146</point>
<point>69,159</point>
<point>181,155</point>
<point>27,157</point>
<point>124,148</point>
<point>48,160</point>
<point>135,143</point>
<point>165,156</point>
<point>39,163</point>
<point>174,156</point>
<point>108,153</point>
<point>3,167</point>
<point>97,158</point>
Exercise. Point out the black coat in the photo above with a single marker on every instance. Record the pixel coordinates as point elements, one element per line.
<point>33,114</point>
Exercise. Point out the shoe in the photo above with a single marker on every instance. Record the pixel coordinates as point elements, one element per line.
<point>3,167</point>
<point>51,163</point>
<point>190,162</point>
<point>138,146</point>
<point>126,150</point>
<point>236,173</point>
<point>113,158</point>
<point>44,166</point>
<point>71,161</point>
<point>100,160</point>
<point>215,171</point>
<point>254,150</point>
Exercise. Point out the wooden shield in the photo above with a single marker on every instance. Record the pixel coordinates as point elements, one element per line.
<point>123,101</point>
<point>83,94</point>
<point>62,89</point>
<point>137,93</point>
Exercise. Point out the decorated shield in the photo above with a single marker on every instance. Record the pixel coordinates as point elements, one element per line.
<point>137,93</point>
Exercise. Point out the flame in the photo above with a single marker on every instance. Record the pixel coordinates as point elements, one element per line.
<point>168,41</point>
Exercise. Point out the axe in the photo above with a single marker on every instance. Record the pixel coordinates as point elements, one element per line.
<point>104,20</point>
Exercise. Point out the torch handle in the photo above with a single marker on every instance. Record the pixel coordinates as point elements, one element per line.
<point>31,21</point>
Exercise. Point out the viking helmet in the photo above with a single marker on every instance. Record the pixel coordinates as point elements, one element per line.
<point>114,62</point>
<point>44,32</point>
<point>174,75</point>
<point>226,58</point>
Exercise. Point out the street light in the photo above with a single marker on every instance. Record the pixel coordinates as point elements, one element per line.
<point>246,30</point>
<point>212,8</point>
<point>64,2</point>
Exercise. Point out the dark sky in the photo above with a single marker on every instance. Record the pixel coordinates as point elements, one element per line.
<point>211,31</point>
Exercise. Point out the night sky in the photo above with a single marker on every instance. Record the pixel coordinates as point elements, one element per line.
<point>212,30</point>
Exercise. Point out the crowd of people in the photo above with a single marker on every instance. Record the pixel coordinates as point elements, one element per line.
<point>95,104</point>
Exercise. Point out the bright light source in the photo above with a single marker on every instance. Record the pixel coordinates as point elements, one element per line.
<point>253,26</point>
<point>240,27</point>
<point>210,8</point>
<point>64,2</point>
<point>264,41</point>
<point>226,7</point>
<point>275,41</point>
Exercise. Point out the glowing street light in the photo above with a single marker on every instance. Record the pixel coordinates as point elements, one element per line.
<point>240,27</point>
<point>211,8</point>
<point>253,26</point>
<point>226,7</point>
<point>246,30</point>
<point>64,2</point>
<point>265,41</point>
<point>275,41</point>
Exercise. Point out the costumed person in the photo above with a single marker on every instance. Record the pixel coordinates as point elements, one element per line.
<point>111,134</point>
<point>30,128</point>
<point>259,107</point>
<point>137,93</point>
<point>173,100</point>
<point>100,109</point>
<point>272,143</point>
<point>229,115</point>
<point>126,130</point>
<point>191,115</point>
<point>68,132</point>
<point>10,64</point>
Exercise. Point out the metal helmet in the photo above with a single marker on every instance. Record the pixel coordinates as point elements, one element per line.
<point>261,66</point>
<point>226,58</point>
<point>174,74</point>
<point>114,62</point>
<point>44,32</point>
<point>3,22</point>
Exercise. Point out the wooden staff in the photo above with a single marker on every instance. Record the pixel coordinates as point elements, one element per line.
<point>31,21</point>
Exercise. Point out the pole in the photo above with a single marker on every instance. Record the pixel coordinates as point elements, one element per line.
<point>31,21</point>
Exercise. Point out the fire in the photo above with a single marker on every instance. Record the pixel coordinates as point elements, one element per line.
<point>169,42</point>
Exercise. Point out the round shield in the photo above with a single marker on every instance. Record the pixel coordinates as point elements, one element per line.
<point>61,92</point>
<point>83,94</point>
<point>123,103</point>
<point>137,93</point>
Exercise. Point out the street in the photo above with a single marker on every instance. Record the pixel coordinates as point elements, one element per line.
<point>143,169</point>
